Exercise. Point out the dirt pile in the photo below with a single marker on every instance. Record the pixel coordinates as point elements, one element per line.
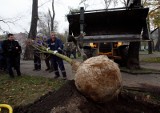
<point>68,100</point>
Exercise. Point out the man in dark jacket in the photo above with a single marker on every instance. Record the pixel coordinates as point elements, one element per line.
<point>12,50</point>
<point>55,43</point>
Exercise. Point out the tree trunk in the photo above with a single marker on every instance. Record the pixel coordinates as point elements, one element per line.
<point>33,30</point>
<point>133,56</point>
<point>157,47</point>
<point>146,35</point>
<point>28,55</point>
<point>150,47</point>
<point>34,19</point>
<point>52,16</point>
<point>48,24</point>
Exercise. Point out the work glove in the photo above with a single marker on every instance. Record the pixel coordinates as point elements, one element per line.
<point>59,50</point>
<point>48,48</point>
<point>55,51</point>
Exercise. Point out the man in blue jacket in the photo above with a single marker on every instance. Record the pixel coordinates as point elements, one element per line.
<point>55,43</point>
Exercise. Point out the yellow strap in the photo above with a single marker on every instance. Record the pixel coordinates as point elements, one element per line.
<point>6,106</point>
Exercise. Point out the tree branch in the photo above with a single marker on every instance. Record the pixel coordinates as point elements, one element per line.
<point>6,22</point>
<point>43,3</point>
<point>154,10</point>
<point>124,2</point>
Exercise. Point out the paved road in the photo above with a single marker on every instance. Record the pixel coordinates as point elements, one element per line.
<point>128,79</point>
<point>28,66</point>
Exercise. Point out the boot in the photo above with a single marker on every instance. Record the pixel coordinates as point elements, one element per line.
<point>64,75</point>
<point>57,75</point>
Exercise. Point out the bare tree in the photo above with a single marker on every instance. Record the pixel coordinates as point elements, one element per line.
<point>34,20</point>
<point>107,2</point>
<point>124,2</point>
<point>8,22</point>
<point>44,24</point>
<point>52,16</point>
<point>48,22</point>
<point>33,30</point>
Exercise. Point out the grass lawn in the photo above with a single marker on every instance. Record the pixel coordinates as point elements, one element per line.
<point>26,89</point>
<point>140,71</point>
<point>152,60</point>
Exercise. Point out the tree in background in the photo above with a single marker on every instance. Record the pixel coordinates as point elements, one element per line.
<point>52,16</point>
<point>154,12</point>
<point>34,19</point>
<point>47,22</point>
<point>44,24</point>
<point>33,30</point>
<point>61,36</point>
<point>106,2</point>
<point>154,17</point>
<point>44,27</point>
<point>8,22</point>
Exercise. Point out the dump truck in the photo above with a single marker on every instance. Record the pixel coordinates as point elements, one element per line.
<point>110,31</point>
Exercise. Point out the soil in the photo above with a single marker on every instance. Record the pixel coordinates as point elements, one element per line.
<point>141,94</point>
<point>68,100</point>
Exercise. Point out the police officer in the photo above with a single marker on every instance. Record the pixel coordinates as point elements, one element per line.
<point>37,59</point>
<point>12,50</point>
<point>55,43</point>
<point>47,55</point>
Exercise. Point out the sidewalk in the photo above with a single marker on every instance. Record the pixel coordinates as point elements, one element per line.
<point>155,66</point>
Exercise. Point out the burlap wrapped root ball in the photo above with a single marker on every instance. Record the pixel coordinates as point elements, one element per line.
<point>99,78</point>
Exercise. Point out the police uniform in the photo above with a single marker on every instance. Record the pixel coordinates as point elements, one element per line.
<point>37,58</point>
<point>56,61</point>
<point>47,55</point>
<point>12,51</point>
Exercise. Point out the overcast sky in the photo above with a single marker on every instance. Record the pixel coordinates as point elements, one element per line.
<point>20,12</point>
